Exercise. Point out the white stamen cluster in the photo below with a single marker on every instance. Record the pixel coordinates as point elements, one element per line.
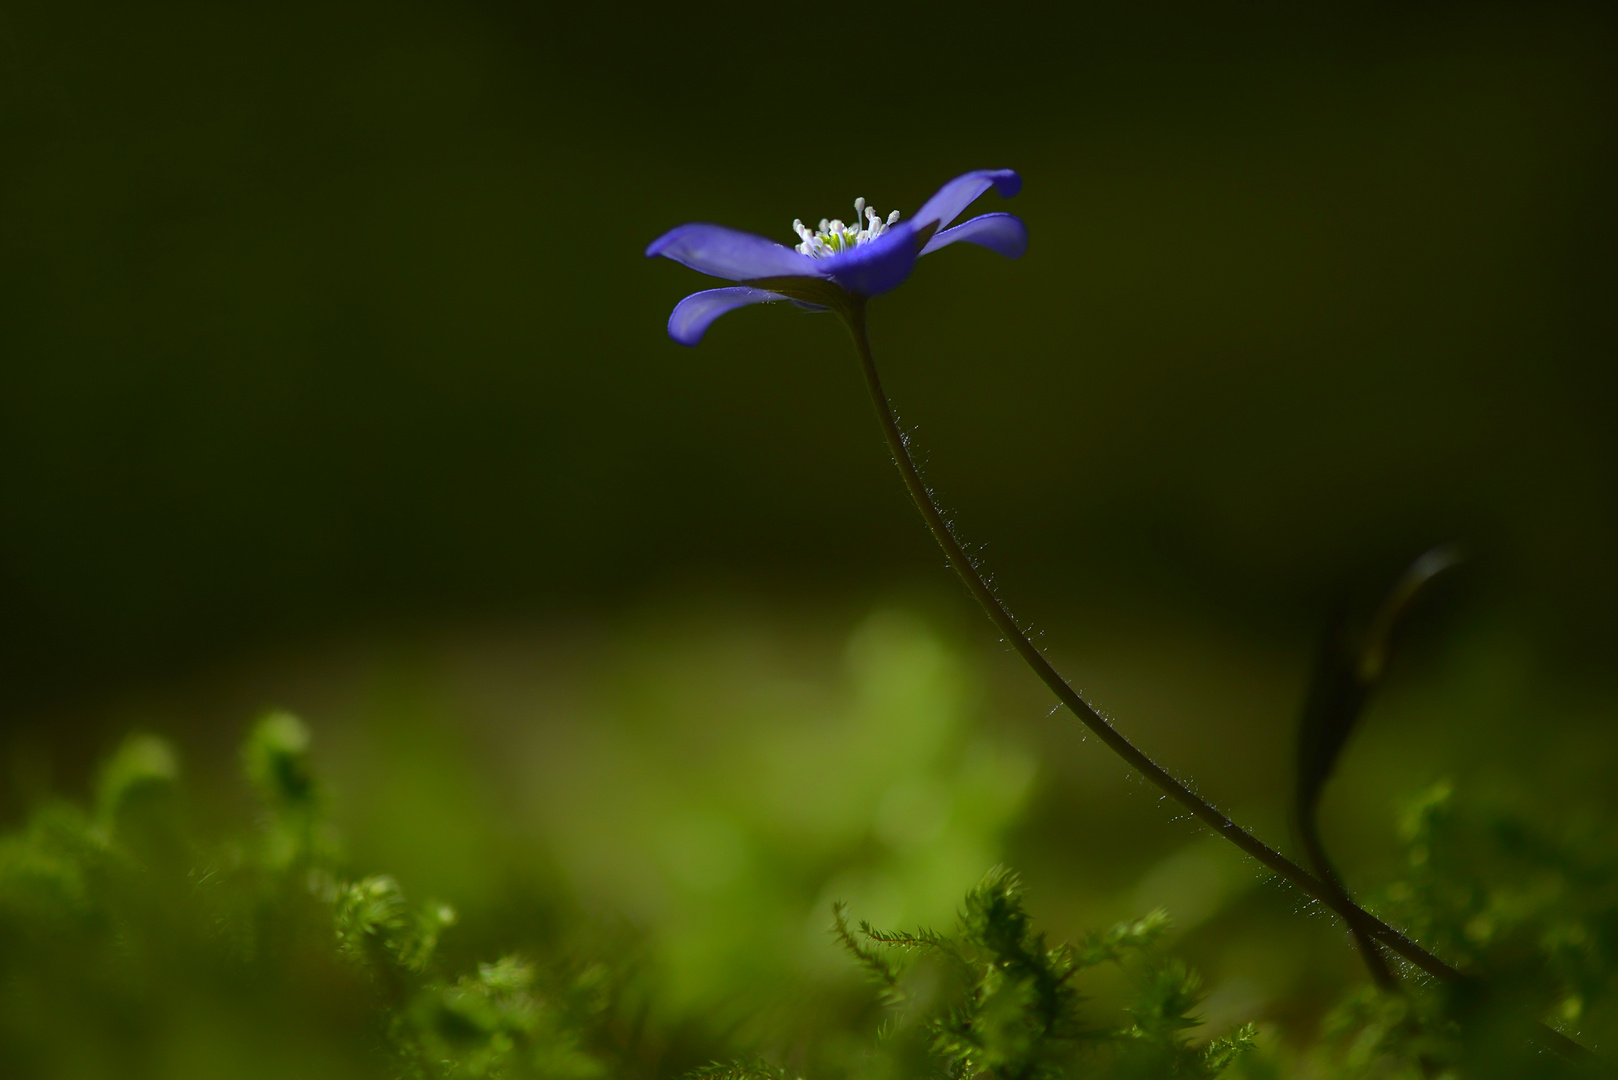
<point>833,237</point>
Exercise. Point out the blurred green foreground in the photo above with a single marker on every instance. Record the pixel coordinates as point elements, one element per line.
<point>628,865</point>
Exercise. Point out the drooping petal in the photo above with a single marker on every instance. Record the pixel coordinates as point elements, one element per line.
<point>693,315</point>
<point>730,253</point>
<point>875,267</point>
<point>1004,234</point>
<point>946,205</point>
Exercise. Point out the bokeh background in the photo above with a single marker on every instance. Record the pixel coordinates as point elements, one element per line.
<point>332,378</point>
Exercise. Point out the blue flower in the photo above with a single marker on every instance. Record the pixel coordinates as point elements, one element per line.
<point>836,264</point>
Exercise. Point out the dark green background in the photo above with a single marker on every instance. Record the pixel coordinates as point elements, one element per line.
<point>332,377</point>
<point>316,317</point>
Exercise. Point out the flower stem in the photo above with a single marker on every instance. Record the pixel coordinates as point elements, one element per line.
<point>1357,917</point>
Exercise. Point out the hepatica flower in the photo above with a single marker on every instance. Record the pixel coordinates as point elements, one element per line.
<point>836,266</point>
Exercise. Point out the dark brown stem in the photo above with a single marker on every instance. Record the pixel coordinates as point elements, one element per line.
<point>1363,933</point>
<point>854,314</point>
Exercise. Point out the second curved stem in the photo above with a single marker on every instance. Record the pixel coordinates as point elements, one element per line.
<point>1162,778</point>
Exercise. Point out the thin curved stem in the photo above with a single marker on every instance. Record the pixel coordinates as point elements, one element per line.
<point>1351,913</point>
<point>1370,951</point>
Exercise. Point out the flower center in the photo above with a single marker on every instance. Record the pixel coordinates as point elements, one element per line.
<point>833,237</point>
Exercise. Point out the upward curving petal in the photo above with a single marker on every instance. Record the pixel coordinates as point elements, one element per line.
<point>1004,234</point>
<point>730,253</point>
<point>946,205</point>
<point>693,315</point>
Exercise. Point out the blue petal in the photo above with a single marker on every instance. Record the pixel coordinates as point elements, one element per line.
<point>876,267</point>
<point>731,253</point>
<point>693,315</point>
<point>1004,234</point>
<point>955,196</point>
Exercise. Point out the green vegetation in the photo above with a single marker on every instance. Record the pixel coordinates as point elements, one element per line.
<point>132,947</point>
<point>996,1000</point>
<point>137,941</point>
